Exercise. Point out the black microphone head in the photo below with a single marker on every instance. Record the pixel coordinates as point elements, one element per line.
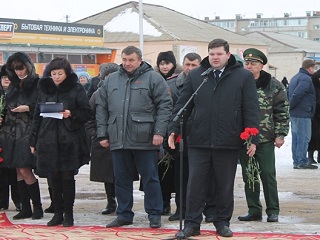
<point>206,72</point>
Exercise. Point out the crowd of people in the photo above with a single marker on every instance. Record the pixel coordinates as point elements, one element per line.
<point>131,116</point>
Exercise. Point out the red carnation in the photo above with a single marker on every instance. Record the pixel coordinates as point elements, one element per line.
<point>252,169</point>
<point>244,135</point>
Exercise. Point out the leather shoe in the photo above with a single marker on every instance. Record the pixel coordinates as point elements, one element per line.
<point>118,222</point>
<point>224,231</point>
<point>272,218</point>
<point>250,217</point>
<point>155,222</point>
<point>4,207</point>
<point>191,231</point>
<point>307,166</point>
<point>176,216</point>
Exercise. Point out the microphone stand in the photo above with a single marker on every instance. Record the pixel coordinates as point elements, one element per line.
<point>179,116</point>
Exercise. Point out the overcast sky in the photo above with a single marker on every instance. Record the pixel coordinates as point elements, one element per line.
<point>57,10</point>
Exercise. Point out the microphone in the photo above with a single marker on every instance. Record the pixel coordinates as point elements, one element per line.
<point>206,72</point>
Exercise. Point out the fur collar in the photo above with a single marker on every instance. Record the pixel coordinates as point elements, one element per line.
<point>263,80</point>
<point>47,85</point>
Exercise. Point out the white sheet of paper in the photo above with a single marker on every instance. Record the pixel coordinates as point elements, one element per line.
<point>52,115</point>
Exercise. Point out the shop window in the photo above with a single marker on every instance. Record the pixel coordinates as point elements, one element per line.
<point>88,59</point>
<point>44,57</point>
<point>74,59</point>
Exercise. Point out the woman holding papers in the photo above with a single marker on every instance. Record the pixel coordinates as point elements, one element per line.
<point>60,144</point>
<point>20,102</point>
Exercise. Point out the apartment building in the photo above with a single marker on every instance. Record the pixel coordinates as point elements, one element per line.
<point>307,26</point>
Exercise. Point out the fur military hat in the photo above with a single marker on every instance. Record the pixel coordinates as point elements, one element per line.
<point>254,55</point>
<point>166,56</point>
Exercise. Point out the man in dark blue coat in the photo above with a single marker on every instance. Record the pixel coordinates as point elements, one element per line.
<point>224,106</point>
<point>302,100</point>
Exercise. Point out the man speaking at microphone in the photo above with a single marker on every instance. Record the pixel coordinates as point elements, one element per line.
<point>223,107</point>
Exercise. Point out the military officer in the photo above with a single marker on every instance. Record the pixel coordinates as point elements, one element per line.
<point>274,126</point>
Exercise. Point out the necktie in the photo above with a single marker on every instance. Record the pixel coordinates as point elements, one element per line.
<point>217,75</point>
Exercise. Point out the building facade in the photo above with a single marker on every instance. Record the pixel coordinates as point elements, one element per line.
<point>306,27</point>
<point>81,44</point>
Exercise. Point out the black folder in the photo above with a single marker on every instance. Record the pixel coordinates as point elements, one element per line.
<point>51,107</point>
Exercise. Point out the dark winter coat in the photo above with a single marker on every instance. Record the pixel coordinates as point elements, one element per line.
<point>93,86</point>
<point>314,143</point>
<point>16,128</point>
<point>316,84</point>
<point>302,95</point>
<point>61,143</point>
<point>131,110</point>
<point>101,167</point>
<point>222,110</point>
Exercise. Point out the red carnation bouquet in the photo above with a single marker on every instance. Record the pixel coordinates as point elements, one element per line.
<point>252,169</point>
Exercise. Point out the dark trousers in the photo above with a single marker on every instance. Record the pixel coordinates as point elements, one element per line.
<point>266,158</point>
<point>125,165</point>
<point>185,176</point>
<point>210,207</point>
<point>206,166</point>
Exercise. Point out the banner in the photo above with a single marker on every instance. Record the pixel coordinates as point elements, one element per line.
<point>55,33</point>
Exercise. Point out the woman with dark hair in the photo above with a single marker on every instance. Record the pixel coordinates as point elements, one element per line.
<point>20,102</point>
<point>8,177</point>
<point>60,144</point>
<point>167,66</point>
<point>314,144</point>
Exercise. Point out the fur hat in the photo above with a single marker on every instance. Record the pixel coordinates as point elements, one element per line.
<point>3,71</point>
<point>107,68</point>
<point>166,56</point>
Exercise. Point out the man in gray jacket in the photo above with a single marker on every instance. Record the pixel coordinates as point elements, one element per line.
<point>133,109</point>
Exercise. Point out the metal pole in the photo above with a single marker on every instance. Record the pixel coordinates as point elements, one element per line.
<point>141,26</point>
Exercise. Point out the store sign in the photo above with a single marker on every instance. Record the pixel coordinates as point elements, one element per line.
<point>6,30</point>
<point>55,33</point>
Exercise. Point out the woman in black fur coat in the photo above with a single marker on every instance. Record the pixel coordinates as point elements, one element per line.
<point>60,144</point>
<point>20,102</point>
